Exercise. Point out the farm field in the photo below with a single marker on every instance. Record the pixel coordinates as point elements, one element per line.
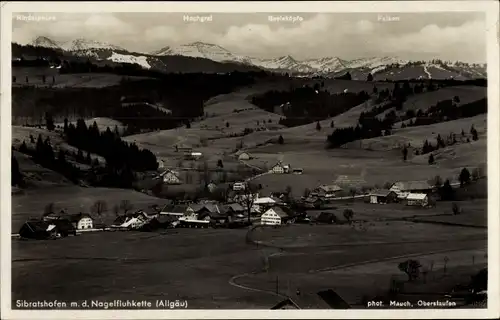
<point>74,80</point>
<point>151,266</point>
<point>473,210</point>
<point>374,168</point>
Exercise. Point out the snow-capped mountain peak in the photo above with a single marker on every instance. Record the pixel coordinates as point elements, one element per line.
<point>85,44</point>
<point>45,42</point>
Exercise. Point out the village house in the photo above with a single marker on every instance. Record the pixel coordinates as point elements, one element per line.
<point>262,204</point>
<point>402,189</point>
<point>131,221</point>
<point>244,156</point>
<point>239,186</point>
<point>81,221</point>
<point>326,191</point>
<point>383,196</point>
<point>274,216</point>
<point>417,199</point>
<point>280,168</point>
<point>313,203</point>
<point>193,155</point>
<point>174,210</point>
<point>38,229</point>
<point>170,177</point>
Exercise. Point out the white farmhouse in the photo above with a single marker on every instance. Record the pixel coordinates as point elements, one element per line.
<point>417,199</point>
<point>82,221</point>
<point>274,216</point>
<point>280,168</point>
<point>170,177</point>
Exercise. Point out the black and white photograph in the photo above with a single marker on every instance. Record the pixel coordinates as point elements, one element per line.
<point>250,160</point>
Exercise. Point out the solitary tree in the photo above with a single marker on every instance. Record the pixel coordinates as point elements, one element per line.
<point>16,176</point>
<point>220,164</point>
<point>369,77</point>
<point>49,208</point>
<point>446,191</point>
<point>49,121</point>
<point>318,126</point>
<point>474,134</point>
<point>227,124</point>
<point>332,124</point>
<point>405,153</point>
<point>438,182</point>
<point>281,140</point>
<point>247,199</point>
<point>464,177</point>
<point>348,214</point>
<point>98,208</point>
<point>455,208</point>
<point>431,159</point>
<point>126,206</point>
<point>411,268</point>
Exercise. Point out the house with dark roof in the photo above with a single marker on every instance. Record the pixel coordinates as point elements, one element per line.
<point>326,191</point>
<point>383,196</point>
<point>174,209</point>
<point>39,230</point>
<point>403,188</point>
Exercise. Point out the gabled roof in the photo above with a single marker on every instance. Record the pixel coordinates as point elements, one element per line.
<point>279,211</point>
<point>329,188</point>
<point>37,225</point>
<point>412,185</point>
<point>236,207</point>
<point>265,200</point>
<point>180,208</point>
<point>416,196</point>
<point>381,192</point>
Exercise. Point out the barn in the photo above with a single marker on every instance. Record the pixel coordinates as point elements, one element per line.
<point>383,196</point>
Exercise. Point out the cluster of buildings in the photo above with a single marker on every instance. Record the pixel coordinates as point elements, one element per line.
<point>412,193</point>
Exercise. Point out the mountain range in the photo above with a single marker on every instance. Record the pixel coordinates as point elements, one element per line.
<point>381,68</point>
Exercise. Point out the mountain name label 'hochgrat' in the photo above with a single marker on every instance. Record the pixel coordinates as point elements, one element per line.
<point>189,18</point>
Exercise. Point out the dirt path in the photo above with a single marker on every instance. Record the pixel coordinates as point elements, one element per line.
<point>365,265</point>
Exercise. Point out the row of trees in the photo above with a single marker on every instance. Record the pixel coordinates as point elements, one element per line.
<point>428,147</point>
<point>308,104</point>
<point>448,110</point>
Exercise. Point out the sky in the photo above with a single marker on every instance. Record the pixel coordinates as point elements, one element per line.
<point>414,36</point>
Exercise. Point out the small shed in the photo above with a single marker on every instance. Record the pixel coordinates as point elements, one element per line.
<point>417,199</point>
<point>383,196</point>
<point>298,171</point>
<point>244,156</point>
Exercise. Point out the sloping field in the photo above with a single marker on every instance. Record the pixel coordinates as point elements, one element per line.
<point>74,80</point>
<point>35,174</point>
<point>425,100</point>
<point>415,136</point>
<point>102,124</point>
<point>20,134</point>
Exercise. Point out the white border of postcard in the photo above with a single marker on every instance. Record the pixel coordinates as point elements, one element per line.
<point>490,8</point>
